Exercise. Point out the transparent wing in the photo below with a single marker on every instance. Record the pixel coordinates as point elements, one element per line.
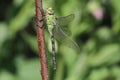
<point>66,31</point>
<point>64,39</point>
<point>62,21</point>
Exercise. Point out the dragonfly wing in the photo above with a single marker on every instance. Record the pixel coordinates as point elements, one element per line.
<point>62,21</point>
<point>66,31</point>
<point>64,39</point>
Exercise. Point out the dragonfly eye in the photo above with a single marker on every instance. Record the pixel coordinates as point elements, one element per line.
<point>50,11</point>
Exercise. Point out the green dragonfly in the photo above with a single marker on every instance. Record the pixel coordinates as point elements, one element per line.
<point>58,32</point>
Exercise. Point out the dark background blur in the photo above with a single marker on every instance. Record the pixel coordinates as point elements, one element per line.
<point>96,29</point>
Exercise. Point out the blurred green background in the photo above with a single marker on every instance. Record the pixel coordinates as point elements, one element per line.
<point>96,29</point>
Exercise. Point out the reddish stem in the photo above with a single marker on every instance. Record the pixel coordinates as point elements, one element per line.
<point>41,43</point>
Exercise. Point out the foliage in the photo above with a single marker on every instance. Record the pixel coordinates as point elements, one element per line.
<point>96,29</point>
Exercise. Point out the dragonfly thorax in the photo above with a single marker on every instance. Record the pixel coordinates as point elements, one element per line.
<point>50,19</point>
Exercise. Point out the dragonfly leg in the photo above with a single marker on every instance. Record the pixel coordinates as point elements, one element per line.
<point>41,10</point>
<point>40,21</point>
<point>40,26</point>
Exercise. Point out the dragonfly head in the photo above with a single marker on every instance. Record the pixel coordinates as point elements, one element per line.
<point>50,11</point>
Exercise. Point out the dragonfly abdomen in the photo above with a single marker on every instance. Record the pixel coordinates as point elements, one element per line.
<point>53,52</point>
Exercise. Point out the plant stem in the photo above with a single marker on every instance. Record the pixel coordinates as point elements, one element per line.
<point>41,43</point>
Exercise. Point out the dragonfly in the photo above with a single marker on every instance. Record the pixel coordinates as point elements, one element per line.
<point>58,32</point>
